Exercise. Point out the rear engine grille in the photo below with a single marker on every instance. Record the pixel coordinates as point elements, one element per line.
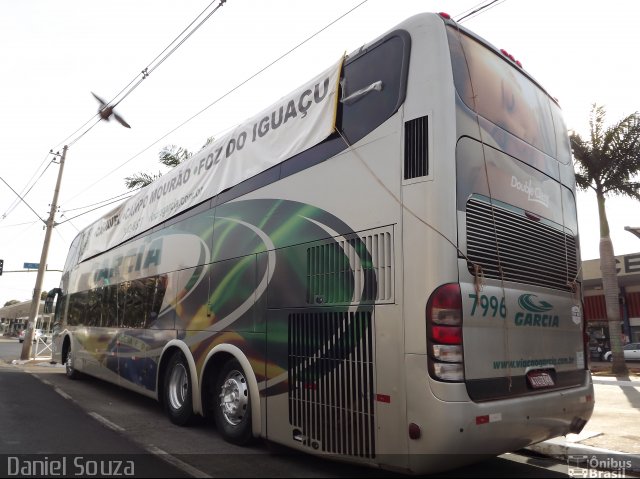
<point>531,252</point>
<point>331,382</point>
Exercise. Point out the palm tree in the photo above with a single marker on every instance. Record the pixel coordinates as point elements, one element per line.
<point>170,156</point>
<point>609,163</point>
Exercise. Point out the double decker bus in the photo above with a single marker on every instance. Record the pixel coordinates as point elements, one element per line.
<point>380,268</point>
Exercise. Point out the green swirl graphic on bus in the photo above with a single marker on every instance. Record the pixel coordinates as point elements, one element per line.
<point>528,302</point>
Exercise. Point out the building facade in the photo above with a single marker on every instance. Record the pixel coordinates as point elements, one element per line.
<point>14,318</point>
<point>595,311</point>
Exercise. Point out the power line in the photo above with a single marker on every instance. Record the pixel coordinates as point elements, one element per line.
<point>471,8</point>
<point>23,194</point>
<point>62,215</point>
<point>480,10</point>
<point>19,224</point>
<point>22,199</point>
<point>145,72</point>
<point>130,192</point>
<point>89,211</point>
<point>149,69</point>
<point>223,96</point>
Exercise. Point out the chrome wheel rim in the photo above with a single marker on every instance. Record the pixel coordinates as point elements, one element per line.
<point>178,386</point>
<point>234,398</point>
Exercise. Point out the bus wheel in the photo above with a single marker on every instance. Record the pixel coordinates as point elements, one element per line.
<point>177,390</point>
<point>232,408</point>
<point>72,372</point>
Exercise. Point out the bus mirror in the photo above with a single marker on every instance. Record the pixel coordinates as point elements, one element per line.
<point>50,301</point>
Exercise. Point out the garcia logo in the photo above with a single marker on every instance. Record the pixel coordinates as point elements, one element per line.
<point>534,317</point>
<point>528,302</point>
<point>533,194</point>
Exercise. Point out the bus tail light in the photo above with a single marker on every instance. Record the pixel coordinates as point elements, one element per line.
<point>447,354</point>
<point>444,334</point>
<point>448,372</point>
<point>511,57</point>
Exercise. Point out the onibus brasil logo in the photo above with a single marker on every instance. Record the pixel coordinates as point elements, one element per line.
<point>534,312</point>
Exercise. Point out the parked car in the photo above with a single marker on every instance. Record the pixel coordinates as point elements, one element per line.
<point>631,353</point>
<point>37,334</point>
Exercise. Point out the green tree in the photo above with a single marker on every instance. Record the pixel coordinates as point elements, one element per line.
<point>169,156</point>
<point>609,163</point>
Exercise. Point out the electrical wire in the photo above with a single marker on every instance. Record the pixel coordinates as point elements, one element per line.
<point>62,215</point>
<point>22,199</point>
<point>19,224</point>
<point>130,192</point>
<point>239,85</point>
<point>145,72</point>
<point>470,9</point>
<point>24,193</point>
<point>481,10</point>
<point>149,69</point>
<point>106,202</point>
<point>94,209</point>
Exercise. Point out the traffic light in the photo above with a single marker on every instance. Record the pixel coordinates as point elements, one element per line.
<point>1,266</point>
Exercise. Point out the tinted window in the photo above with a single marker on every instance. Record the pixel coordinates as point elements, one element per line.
<point>132,304</point>
<point>77,308</point>
<point>499,92</point>
<point>386,62</point>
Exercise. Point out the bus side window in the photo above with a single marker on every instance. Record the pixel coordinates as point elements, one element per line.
<point>77,309</point>
<point>156,289</point>
<point>135,304</point>
<point>121,295</point>
<point>385,62</point>
<point>109,306</point>
<point>94,311</point>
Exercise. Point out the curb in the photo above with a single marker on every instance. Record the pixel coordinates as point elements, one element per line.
<point>587,457</point>
<point>42,362</point>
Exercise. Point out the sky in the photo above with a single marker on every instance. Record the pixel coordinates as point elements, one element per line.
<point>54,54</point>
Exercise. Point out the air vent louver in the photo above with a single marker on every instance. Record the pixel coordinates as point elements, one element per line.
<point>416,148</point>
<point>530,252</point>
<point>351,269</point>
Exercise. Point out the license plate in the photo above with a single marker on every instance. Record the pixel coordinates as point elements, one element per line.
<point>540,379</point>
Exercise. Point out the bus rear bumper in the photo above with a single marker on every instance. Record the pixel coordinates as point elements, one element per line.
<point>467,431</point>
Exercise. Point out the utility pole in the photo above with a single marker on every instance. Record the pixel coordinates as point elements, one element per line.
<point>35,303</point>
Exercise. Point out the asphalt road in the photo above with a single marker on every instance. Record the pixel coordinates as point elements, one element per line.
<point>46,414</point>
<point>39,424</point>
<point>10,348</point>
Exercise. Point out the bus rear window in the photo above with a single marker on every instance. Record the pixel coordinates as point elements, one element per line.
<point>497,91</point>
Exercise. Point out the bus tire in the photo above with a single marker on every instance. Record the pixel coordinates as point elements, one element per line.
<point>232,404</point>
<point>70,370</point>
<point>178,390</point>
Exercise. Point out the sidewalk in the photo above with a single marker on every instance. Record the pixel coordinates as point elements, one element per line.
<point>611,438</point>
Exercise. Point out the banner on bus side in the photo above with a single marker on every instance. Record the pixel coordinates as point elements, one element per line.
<point>294,124</point>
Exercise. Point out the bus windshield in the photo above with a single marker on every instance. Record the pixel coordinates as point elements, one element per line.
<point>499,92</point>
